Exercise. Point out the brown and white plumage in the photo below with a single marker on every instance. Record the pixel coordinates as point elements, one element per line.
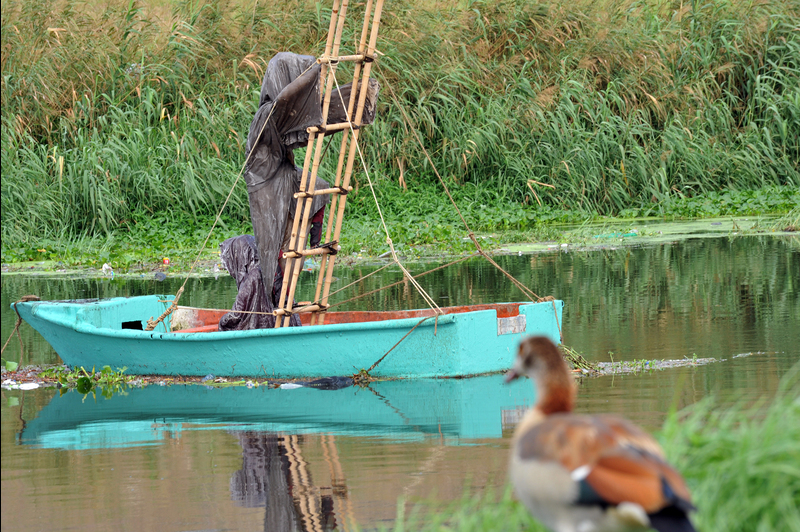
<point>580,473</point>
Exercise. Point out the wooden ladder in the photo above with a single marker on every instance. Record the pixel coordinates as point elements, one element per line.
<point>297,252</point>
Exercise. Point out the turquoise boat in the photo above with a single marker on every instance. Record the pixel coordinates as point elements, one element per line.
<point>463,341</point>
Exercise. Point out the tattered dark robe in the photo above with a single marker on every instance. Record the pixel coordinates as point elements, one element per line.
<point>290,98</point>
<point>240,257</point>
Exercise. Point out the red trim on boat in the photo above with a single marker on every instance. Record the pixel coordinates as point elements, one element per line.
<point>210,318</point>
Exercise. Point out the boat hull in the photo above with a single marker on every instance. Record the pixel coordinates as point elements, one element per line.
<point>94,334</point>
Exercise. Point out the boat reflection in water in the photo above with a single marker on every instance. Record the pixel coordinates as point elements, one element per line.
<point>274,426</point>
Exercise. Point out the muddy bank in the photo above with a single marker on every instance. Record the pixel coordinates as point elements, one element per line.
<point>31,377</point>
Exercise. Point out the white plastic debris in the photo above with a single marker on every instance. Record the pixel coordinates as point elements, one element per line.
<point>107,270</point>
<point>290,386</point>
<point>28,386</point>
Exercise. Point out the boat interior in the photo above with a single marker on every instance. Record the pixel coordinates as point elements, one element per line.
<point>195,320</point>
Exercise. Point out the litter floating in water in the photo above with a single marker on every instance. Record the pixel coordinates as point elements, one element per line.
<point>326,383</point>
<point>209,377</point>
<point>28,386</point>
<point>107,270</point>
<point>619,235</point>
<point>160,276</point>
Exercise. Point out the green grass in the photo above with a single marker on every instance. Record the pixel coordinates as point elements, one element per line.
<point>421,221</point>
<point>113,113</point>
<point>742,464</point>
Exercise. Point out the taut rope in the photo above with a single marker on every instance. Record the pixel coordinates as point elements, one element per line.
<point>428,299</point>
<point>23,299</point>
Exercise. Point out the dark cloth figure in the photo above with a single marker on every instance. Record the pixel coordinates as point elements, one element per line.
<point>315,234</point>
<point>290,103</point>
<point>240,257</point>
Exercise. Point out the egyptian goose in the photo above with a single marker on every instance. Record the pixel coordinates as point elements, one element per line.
<point>579,473</point>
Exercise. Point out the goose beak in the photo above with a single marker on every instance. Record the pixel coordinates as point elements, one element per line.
<point>511,375</point>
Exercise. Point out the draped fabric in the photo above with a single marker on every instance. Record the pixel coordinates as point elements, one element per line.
<point>289,104</point>
<point>240,257</point>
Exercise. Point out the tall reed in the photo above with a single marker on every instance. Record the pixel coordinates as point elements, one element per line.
<point>111,113</point>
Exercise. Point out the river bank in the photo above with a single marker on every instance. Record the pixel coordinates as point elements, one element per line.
<point>591,235</point>
<point>533,114</point>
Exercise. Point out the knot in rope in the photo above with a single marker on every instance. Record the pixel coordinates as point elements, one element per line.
<point>151,324</point>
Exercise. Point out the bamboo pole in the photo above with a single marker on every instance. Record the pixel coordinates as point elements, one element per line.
<point>318,318</point>
<point>294,254</point>
<point>351,156</point>
<point>299,240</point>
<point>333,127</point>
<point>335,10</point>
<point>305,493</point>
<point>329,41</point>
<point>323,191</point>
<point>333,60</point>
<point>288,262</point>
<point>296,251</point>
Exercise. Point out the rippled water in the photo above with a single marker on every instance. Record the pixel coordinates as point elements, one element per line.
<point>190,458</point>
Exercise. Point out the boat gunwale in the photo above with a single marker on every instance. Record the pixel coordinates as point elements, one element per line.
<point>90,329</point>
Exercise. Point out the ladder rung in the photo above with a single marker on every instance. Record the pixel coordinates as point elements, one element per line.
<point>321,250</point>
<point>334,60</point>
<point>300,308</point>
<point>332,127</point>
<point>337,190</point>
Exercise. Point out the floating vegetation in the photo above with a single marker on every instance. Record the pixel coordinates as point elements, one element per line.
<point>642,366</point>
<point>577,362</point>
<point>596,369</point>
<point>789,222</point>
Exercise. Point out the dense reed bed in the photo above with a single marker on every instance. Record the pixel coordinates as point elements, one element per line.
<point>740,462</point>
<point>114,112</point>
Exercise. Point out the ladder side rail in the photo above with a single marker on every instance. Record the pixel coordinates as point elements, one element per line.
<point>351,156</point>
<point>318,317</point>
<point>308,182</point>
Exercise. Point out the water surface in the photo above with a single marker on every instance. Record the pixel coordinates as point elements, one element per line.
<point>178,458</point>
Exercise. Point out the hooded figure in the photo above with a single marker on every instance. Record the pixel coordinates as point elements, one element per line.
<point>290,103</point>
<point>240,257</point>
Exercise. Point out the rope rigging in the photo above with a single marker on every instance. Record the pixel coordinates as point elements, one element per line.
<point>364,60</point>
